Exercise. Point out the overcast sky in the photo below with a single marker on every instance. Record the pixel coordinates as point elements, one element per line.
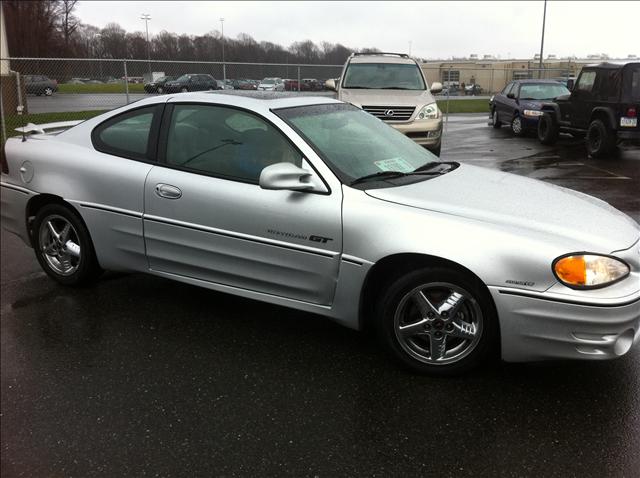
<point>435,29</point>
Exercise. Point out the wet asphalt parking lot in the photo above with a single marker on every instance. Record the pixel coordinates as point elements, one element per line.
<point>139,376</point>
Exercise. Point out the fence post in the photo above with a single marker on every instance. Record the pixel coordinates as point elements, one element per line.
<point>126,80</point>
<point>446,117</point>
<point>298,79</point>
<point>4,128</point>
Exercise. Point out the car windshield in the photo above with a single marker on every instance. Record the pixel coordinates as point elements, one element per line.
<point>542,91</point>
<point>184,78</point>
<point>269,81</point>
<point>354,143</point>
<point>391,76</point>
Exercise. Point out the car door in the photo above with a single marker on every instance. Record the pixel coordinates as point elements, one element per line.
<point>500,100</point>
<point>510,105</point>
<point>582,99</point>
<point>207,218</point>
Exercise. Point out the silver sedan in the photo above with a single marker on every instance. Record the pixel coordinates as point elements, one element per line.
<point>314,204</point>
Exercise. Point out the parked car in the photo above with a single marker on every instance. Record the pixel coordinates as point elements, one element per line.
<point>291,85</point>
<point>247,85</point>
<point>603,106</point>
<point>473,90</point>
<point>519,104</point>
<point>192,82</point>
<point>393,88</point>
<point>310,84</point>
<point>314,204</point>
<point>39,85</point>
<point>271,84</point>
<point>158,86</point>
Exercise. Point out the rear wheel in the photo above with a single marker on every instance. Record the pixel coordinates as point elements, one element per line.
<point>160,90</point>
<point>48,91</point>
<point>495,121</point>
<point>438,321</point>
<point>184,89</point>
<point>547,129</point>
<point>63,246</point>
<point>600,140</point>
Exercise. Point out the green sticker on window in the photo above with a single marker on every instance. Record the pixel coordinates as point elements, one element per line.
<point>394,164</point>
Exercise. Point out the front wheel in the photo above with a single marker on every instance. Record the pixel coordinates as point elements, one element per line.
<point>437,321</point>
<point>516,126</point>
<point>184,89</point>
<point>48,91</point>
<point>63,246</point>
<point>600,141</point>
<point>160,90</point>
<point>548,130</point>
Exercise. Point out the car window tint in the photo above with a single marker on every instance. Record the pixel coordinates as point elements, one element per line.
<point>225,142</point>
<point>127,134</point>
<point>586,81</point>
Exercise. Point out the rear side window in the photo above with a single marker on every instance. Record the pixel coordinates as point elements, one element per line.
<point>608,85</point>
<point>130,135</point>
<point>631,84</point>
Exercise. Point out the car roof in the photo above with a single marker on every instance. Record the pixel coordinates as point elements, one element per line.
<point>611,65</point>
<point>261,102</point>
<point>373,58</point>
<point>535,81</point>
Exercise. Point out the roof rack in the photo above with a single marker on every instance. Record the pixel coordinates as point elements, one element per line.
<point>401,55</point>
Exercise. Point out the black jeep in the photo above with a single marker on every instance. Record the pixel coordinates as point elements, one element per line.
<point>603,107</point>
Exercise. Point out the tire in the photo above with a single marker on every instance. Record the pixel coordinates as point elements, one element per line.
<point>495,120</point>
<point>72,262</point>
<point>465,339</point>
<point>548,130</point>
<point>184,90</point>
<point>516,126</point>
<point>160,90</point>
<point>48,91</point>
<point>600,140</point>
<point>435,149</point>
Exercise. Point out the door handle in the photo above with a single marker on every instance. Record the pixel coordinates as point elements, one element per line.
<point>168,191</point>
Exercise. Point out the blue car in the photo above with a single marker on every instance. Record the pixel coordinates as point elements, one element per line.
<point>519,104</point>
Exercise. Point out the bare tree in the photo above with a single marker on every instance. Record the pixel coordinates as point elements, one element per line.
<point>69,23</point>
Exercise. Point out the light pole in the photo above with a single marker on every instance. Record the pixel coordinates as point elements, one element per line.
<point>544,19</point>
<point>224,67</point>
<point>146,17</point>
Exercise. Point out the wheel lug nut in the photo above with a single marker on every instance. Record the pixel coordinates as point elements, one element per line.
<point>427,326</point>
<point>430,315</point>
<point>449,327</point>
<point>445,315</point>
<point>438,334</point>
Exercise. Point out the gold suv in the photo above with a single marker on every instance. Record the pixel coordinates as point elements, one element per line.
<point>392,87</point>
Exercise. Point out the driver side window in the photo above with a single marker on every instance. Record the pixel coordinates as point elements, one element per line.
<point>225,142</point>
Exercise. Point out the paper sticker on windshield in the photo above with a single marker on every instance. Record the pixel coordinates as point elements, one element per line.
<point>394,164</point>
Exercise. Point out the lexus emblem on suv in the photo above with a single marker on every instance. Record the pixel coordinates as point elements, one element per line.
<point>389,113</point>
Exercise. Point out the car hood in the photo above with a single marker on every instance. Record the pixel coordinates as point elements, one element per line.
<point>515,201</point>
<point>386,97</point>
<point>531,104</point>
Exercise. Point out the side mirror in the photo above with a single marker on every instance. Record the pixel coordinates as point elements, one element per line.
<point>330,84</point>
<point>511,96</point>
<point>436,87</point>
<point>286,176</point>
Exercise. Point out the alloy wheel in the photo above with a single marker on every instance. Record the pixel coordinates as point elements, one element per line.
<point>516,125</point>
<point>59,244</point>
<point>438,323</point>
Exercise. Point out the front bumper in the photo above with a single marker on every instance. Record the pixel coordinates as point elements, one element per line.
<point>423,132</point>
<point>534,327</point>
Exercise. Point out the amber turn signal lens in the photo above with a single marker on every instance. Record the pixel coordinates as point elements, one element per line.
<point>572,270</point>
<point>589,270</point>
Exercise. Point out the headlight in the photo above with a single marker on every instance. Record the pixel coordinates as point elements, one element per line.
<point>533,113</point>
<point>429,112</point>
<point>589,271</point>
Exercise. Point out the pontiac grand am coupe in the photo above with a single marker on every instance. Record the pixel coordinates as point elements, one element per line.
<point>314,204</point>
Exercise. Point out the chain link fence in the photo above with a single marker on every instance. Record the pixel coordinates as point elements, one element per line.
<point>43,90</point>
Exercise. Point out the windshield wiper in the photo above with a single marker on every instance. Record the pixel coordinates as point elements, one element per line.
<point>395,88</point>
<point>421,171</point>
<point>378,175</point>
